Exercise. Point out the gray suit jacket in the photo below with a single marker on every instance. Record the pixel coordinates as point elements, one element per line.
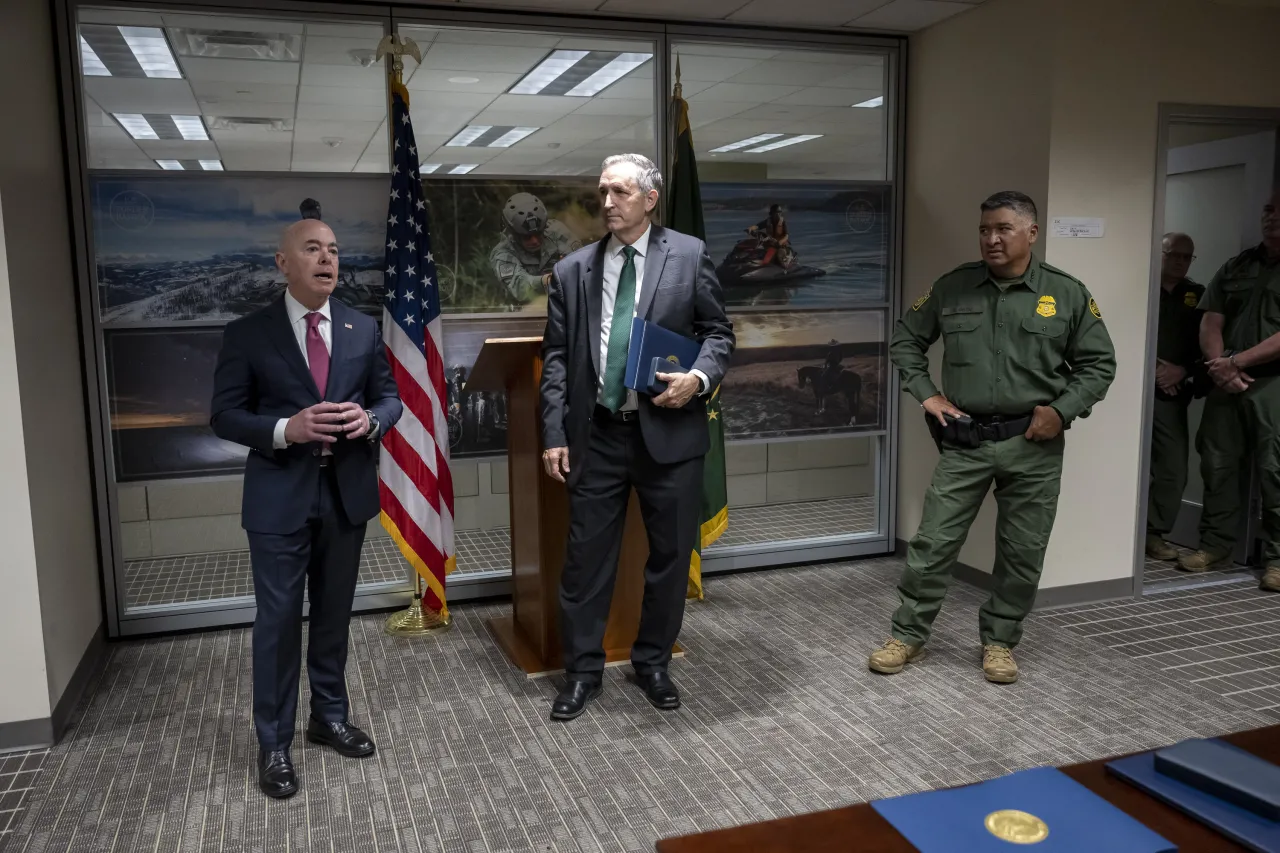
<point>680,292</point>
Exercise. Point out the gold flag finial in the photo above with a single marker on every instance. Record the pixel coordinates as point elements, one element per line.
<point>406,47</point>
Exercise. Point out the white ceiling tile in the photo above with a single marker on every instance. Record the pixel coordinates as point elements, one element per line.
<point>547,108</point>
<point>785,73</point>
<point>342,112</point>
<point>350,132</point>
<point>141,95</point>
<point>744,94</point>
<point>703,10</point>
<point>618,46</point>
<point>434,79</point>
<point>371,32</point>
<point>252,137</point>
<point>713,68</point>
<point>240,70</point>
<point>519,156</point>
<point>370,166</point>
<point>557,5</point>
<point>635,107</point>
<point>825,97</point>
<point>246,109</point>
<point>331,50</point>
<point>910,15</point>
<point>226,22</point>
<point>340,95</point>
<point>737,51</point>
<point>178,149</point>
<point>504,38</point>
<point>345,77</point>
<point>628,88</point>
<point>863,77</point>
<point>804,13</point>
<point>217,91</point>
<point>469,57</point>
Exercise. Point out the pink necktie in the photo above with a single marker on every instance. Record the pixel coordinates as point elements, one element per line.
<point>317,352</point>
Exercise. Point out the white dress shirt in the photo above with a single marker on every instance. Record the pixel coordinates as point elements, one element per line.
<point>298,322</point>
<point>613,263</point>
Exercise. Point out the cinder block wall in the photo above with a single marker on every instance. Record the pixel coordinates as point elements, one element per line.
<point>169,518</point>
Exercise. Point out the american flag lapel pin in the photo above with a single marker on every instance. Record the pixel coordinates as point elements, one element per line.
<point>348,325</point>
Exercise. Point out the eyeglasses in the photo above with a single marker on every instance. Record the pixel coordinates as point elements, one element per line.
<point>1180,256</point>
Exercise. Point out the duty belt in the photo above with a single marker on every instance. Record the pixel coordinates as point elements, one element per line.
<point>968,433</point>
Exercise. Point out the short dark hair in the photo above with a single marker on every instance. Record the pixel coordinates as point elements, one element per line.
<point>1019,203</point>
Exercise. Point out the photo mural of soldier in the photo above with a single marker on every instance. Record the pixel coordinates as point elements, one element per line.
<point>532,243</point>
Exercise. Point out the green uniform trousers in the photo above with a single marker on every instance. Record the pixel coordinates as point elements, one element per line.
<point>1170,445</point>
<point>1235,428</point>
<point>1027,476</point>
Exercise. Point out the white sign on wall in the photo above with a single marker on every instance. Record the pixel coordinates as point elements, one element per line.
<point>1079,226</point>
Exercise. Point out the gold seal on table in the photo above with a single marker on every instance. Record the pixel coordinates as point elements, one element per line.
<point>1017,827</point>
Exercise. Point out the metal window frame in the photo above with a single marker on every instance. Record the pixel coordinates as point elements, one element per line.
<point>1167,115</point>
<point>223,613</point>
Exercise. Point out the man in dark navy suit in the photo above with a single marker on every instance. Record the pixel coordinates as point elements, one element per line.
<point>305,384</point>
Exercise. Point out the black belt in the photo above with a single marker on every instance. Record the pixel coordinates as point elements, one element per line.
<point>968,433</point>
<point>1001,427</point>
<point>620,417</point>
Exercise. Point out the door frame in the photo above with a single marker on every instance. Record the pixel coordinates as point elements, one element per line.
<point>1168,114</point>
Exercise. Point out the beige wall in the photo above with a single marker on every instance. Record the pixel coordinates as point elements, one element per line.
<point>1099,69</point>
<point>22,671</point>
<point>47,338</point>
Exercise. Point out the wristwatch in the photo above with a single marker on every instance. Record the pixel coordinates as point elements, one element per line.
<point>372,434</point>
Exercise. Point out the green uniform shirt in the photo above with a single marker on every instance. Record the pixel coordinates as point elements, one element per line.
<point>1039,341</point>
<point>1247,292</point>
<point>521,272</point>
<point>1178,335</point>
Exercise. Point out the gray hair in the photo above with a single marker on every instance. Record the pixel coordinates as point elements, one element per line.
<point>1019,203</point>
<point>648,178</point>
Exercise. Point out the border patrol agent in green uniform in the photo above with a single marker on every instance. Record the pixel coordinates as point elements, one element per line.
<point>1179,374</point>
<point>532,244</point>
<point>1240,337</point>
<point>1025,353</point>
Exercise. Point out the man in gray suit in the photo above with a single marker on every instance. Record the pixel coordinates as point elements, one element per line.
<point>602,438</point>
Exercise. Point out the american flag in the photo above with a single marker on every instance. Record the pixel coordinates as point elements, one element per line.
<point>413,470</point>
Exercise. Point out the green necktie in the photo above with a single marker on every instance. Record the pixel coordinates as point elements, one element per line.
<point>624,305</point>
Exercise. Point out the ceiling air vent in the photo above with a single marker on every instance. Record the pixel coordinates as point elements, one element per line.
<point>279,125</point>
<point>237,44</point>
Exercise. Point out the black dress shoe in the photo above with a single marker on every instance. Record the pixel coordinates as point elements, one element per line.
<point>659,690</point>
<point>345,738</point>
<point>275,774</point>
<point>572,699</point>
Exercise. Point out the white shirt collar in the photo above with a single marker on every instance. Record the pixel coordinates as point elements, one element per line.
<point>641,245</point>
<point>297,310</point>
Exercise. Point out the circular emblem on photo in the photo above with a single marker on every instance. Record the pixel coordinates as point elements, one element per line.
<point>455,431</point>
<point>132,210</point>
<point>860,216</point>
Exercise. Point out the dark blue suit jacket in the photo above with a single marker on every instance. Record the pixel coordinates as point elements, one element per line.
<point>262,377</point>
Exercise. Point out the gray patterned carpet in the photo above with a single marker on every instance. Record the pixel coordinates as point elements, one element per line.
<point>781,716</point>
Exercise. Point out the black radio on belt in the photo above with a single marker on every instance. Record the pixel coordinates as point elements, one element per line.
<point>968,433</point>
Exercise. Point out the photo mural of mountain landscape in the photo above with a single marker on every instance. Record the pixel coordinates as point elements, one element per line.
<point>202,248</point>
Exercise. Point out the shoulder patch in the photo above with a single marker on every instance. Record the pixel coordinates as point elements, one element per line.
<point>1093,308</point>
<point>919,303</point>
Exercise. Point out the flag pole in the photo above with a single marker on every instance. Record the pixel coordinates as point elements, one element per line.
<point>418,620</point>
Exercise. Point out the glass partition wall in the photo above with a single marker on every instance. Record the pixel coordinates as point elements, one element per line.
<point>199,135</point>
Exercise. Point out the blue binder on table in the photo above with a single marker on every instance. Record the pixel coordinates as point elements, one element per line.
<point>1241,825</point>
<point>1077,819</point>
<point>650,341</point>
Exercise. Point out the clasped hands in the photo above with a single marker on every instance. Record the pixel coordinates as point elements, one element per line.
<point>1228,376</point>
<point>326,422</point>
<point>1046,423</point>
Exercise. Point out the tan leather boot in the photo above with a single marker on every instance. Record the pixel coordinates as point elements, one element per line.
<point>998,665</point>
<point>893,656</point>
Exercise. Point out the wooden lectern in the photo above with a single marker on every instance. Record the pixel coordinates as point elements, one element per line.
<point>530,636</point>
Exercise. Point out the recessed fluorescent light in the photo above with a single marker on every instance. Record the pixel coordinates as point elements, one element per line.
<point>783,143</point>
<point>547,71</point>
<point>151,50</point>
<point>463,169</point>
<point>512,136</point>
<point>755,140</point>
<point>619,67</point>
<point>469,134</point>
<point>211,165</point>
<point>170,165</point>
<point>90,63</point>
<point>877,101</point>
<point>137,125</point>
<point>191,127</point>
<point>427,168</point>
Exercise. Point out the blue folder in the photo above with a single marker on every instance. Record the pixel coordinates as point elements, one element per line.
<point>650,341</point>
<point>954,820</point>
<point>1226,772</point>
<point>1239,824</point>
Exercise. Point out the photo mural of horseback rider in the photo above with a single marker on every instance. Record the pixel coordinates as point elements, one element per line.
<point>832,378</point>
<point>532,243</point>
<point>765,257</point>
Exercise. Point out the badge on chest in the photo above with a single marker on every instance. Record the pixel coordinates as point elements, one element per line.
<point>1047,307</point>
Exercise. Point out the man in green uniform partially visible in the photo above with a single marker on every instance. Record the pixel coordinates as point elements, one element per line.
<point>1025,353</point>
<point>1178,366</point>
<point>532,244</point>
<point>1240,338</point>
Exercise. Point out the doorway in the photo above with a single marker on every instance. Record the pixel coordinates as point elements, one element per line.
<point>1217,168</point>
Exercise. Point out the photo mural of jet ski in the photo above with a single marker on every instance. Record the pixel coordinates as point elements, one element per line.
<point>765,257</point>
<point>799,244</point>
